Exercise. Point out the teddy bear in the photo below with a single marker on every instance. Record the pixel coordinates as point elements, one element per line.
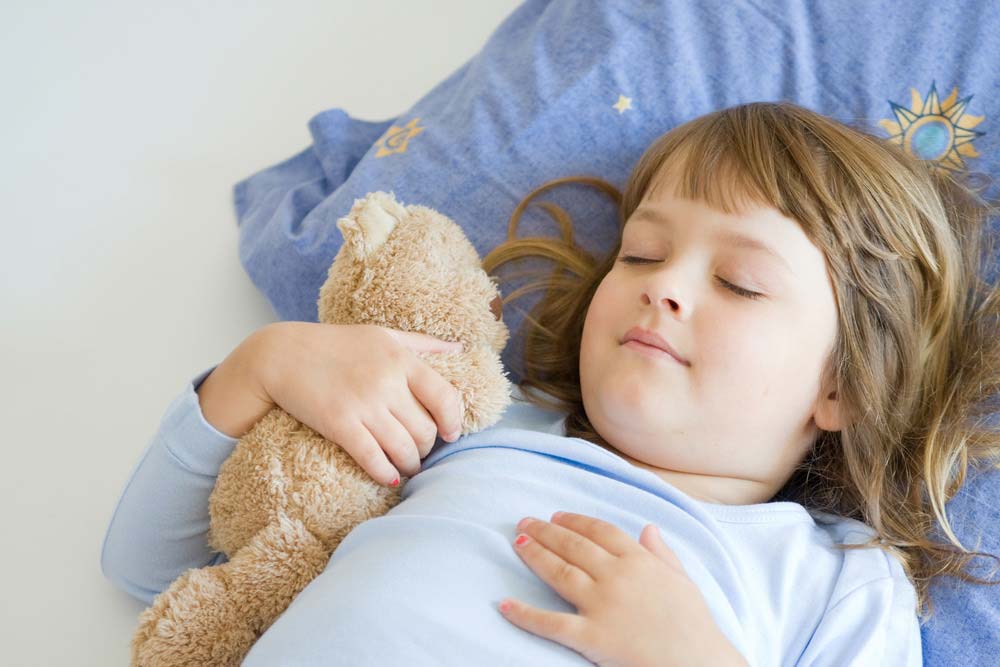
<point>286,496</point>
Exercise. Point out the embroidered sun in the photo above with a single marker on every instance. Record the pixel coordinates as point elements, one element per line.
<point>934,130</point>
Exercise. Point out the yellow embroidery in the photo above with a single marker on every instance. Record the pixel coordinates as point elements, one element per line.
<point>622,103</point>
<point>933,130</point>
<point>395,138</point>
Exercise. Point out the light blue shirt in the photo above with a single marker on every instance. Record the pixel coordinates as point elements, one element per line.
<point>421,584</point>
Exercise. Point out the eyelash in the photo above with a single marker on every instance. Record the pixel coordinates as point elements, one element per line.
<point>629,259</point>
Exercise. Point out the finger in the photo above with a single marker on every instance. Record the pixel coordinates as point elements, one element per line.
<point>563,628</point>
<point>569,546</point>
<point>396,442</point>
<point>568,580</point>
<point>358,441</point>
<point>419,342</point>
<point>608,536</point>
<point>418,423</point>
<point>653,541</point>
<point>438,396</point>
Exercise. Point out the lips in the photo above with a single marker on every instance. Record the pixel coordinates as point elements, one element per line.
<point>652,338</point>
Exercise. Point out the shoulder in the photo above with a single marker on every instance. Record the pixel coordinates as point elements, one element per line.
<point>861,566</point>
<point>870,599</point>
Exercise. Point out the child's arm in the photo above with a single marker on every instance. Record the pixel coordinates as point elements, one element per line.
<point>159,528</point>
<point>321,374</point>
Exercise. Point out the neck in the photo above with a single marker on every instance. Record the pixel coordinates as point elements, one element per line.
<point>710,488</point>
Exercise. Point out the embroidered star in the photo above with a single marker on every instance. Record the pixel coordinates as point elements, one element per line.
<point>623,103</point>
<point>396,138</point>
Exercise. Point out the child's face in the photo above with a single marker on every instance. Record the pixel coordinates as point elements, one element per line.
<point>730,425</point>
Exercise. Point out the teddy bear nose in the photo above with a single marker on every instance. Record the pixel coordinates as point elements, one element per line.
<point>496,305</point>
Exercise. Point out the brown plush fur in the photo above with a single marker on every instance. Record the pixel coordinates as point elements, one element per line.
<point>286,496</point>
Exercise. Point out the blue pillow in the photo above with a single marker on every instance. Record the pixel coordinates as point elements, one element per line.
<point>570,87</point>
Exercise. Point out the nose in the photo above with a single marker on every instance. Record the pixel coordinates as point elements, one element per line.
<point>671,302</point>
<point>663,288</point>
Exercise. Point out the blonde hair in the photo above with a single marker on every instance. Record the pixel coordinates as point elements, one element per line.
<point>916,360</point>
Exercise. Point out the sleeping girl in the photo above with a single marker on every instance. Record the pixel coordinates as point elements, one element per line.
<point>731,443</point>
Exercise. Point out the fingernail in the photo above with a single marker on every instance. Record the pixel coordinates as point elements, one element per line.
<point>521,540</point>
<point>394,482</point>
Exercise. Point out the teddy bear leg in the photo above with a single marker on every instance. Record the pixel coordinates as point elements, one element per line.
<point>213,615</point>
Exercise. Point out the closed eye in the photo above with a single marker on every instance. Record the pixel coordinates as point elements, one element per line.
<point>739,290</point>
<point>630,259</point>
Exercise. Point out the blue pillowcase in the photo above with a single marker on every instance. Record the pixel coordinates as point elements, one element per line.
<point>569,87</point>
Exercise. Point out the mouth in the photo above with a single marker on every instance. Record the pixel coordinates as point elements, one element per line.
<point>650,343</point>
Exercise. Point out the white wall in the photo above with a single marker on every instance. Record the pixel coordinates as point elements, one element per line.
<point>124,127</point>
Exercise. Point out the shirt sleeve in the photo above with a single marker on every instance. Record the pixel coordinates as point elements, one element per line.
<point>875,624</point>
<point>159,528</point>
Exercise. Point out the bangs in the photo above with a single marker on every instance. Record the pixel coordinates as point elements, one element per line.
<point>737,161</point>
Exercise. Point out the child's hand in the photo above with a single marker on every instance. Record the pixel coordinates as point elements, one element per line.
<point>636,606</point>
<point>362,387</point>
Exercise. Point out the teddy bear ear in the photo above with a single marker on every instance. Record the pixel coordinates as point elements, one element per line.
<point>370,222</point>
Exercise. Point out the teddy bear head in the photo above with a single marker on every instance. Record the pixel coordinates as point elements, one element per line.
<point>411,268</point>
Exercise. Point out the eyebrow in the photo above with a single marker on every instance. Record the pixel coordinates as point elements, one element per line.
<point>731,238</point>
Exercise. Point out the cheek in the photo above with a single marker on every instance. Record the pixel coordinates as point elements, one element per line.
<point>751,357</point>
<point>600,311</point>
<point>597,329</point>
